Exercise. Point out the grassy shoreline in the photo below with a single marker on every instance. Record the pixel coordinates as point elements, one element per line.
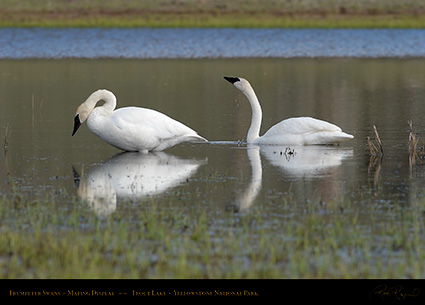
<point>216,14</point>
<point>229,20</point>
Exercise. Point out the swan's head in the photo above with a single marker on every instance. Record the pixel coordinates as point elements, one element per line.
<point>84,110</point>
<point>80,116</point>
<point>239,82</point>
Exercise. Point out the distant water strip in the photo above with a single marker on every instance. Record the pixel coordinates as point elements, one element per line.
<point>21,43</point>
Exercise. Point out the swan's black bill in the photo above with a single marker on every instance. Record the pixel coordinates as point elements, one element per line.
<point>232,79</point>
<point>77,124</point>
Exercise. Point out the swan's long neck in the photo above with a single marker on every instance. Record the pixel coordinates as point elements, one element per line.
<point>102,95</point>
<point>87,109</point>
<point>254,129</point>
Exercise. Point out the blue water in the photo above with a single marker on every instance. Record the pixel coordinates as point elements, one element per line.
<point>20,43</point>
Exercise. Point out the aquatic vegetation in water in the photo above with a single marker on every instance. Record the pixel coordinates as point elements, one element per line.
<point>60,237</point>
<point>416,155</point>
<point>375,147</point>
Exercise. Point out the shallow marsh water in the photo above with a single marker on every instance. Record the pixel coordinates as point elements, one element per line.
<point>39,99</point>
<point>226,178</point>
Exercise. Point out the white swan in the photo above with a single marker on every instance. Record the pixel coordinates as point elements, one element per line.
<point>131,128</point>
<point>293,131</point>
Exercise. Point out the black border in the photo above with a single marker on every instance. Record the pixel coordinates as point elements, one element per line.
<point>329,291</point>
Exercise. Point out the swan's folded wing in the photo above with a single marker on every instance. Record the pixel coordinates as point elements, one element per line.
<point>301,126</point>
<point>149,123</point>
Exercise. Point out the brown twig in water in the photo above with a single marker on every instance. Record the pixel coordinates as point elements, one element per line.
<point>373,149</point>
<point>378,140</point>
<point>413,141</point>
<point>412,146</point>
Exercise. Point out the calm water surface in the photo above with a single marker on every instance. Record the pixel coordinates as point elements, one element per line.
<point>39,99</point>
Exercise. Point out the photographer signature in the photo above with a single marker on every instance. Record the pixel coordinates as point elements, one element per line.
<point>397,292</point>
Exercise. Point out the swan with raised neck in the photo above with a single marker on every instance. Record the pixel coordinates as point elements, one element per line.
<point>292,131</point>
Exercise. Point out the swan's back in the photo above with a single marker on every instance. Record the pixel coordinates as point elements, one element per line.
<point>142,129</point>
<point>302,131</point>
<point>301,125</point>
<point>144,118</point>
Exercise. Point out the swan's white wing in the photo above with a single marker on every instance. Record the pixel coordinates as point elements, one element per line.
<point>300,126</point>
<point>304,131</point>
<point>134,128</point>
<point>143,119</point>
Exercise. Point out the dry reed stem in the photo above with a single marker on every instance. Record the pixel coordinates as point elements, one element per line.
<point>373,147</point>
<point>413,140</point>
<point>378,140</point>
<point>412,146</point>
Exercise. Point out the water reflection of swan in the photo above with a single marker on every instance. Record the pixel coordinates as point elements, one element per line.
<point>301,161</point>
<point>133,176</point>
<point>306,161</point>
<point>293,131</point>
<point>245,200</point>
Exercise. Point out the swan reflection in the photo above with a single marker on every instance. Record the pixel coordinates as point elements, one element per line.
<point>133,176</point>
<point>300,161</point>
<point>306,161</point>
<point>245,200</point>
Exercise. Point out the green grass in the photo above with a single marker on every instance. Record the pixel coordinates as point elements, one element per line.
<point>46,239</point>
<point>191,13</point>
<point>224,21</point>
